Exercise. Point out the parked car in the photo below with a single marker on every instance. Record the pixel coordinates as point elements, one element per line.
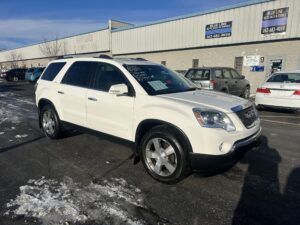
<point>33,74</point>
<point>181,72</point>
<point>281,90</point>
<point>222,79</point>
<point>15,74</point>
<point>174,127</point>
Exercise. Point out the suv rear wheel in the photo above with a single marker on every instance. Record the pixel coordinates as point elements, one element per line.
<point>50,122</point>
<point>163,155</point>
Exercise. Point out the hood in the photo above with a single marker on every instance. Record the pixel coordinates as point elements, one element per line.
<point>211,99</point>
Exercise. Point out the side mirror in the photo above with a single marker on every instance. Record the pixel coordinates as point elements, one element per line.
<point>119,90</point>
<point>243,77</point>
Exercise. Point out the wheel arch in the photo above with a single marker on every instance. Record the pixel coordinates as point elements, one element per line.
<point>42,103</point>
<point>145,125</point>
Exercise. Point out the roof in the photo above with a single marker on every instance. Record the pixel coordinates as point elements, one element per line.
<point>239,5</point>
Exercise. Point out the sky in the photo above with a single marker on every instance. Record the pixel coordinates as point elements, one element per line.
<point>24,22</point>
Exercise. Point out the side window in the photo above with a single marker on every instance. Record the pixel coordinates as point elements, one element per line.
<point>226,74</point>
<point>235,75</point>
<point>52,70</point>
<point>80,74</point>
<point>219,74</point>
<point>108,75</point>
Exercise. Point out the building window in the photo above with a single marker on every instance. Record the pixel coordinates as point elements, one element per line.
<point>195,63</point>
<point>164,63</point>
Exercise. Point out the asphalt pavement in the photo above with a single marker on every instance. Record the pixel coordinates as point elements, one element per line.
<point>88,179</point>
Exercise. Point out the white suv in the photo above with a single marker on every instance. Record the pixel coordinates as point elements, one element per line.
<point>174,126</point>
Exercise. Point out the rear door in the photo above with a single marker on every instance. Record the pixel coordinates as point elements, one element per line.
<point>106,112</point>
<point>238,82</point>
<point>72,91</point>
<point>200,77</point>
<point>228,82</point>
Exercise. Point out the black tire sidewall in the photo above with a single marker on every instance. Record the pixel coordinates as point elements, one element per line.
<point>182,162</point>
<point>57,129</point>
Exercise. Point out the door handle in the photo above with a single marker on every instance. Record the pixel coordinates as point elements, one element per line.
<point>61,92</point>
<point>92,99</point>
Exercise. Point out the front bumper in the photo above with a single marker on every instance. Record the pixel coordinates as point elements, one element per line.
<point>206,163</point>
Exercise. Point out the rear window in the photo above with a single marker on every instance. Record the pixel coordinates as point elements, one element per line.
<point>199,74</point>
<point>52,70</point>
<point>285,78</point>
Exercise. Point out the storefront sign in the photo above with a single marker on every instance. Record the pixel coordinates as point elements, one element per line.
<point>251,60</point>
<point>218,30</point>
<point>257,69</point>
<point>275,21</point>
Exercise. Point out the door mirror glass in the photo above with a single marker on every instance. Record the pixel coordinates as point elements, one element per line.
<point>243,77</point>
<point>119,90</point>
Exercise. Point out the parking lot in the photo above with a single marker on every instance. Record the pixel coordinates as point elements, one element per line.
<point>84,176</point>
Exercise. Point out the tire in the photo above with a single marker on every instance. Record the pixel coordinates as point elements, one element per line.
<point>225,91</point>
<point>163,155</point>
<point>246,93</point>
<point>50,122</point>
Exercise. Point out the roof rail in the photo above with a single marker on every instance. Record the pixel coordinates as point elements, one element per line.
<point>102,56</point>
<point>64,57</point>
<point>141,59</point>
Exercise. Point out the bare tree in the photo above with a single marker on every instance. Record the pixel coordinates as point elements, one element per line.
<point>52,48</point>
<point>13,58</point>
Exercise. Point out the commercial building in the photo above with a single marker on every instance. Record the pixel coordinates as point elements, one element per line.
<point>256,37</point>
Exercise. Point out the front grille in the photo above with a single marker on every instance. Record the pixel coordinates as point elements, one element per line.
<point>248,116</point>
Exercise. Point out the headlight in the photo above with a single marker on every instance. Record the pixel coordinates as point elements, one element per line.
<point>213,119</point>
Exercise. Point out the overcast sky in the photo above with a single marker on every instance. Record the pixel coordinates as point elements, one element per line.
<point>25,22</point>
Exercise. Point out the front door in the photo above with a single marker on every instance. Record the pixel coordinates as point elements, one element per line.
<point>109,113</point>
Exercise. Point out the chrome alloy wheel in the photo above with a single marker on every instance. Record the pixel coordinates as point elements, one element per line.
<point>160,157</point>
<point>49,123</point>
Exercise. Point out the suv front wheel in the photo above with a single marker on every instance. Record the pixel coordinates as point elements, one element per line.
<point>163,155</point>
<point>50,122</point>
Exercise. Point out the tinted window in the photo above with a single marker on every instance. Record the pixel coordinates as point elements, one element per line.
<point>52,70</point>
<point>80,74</point>
<point>288,78</point>
<point>40,70</point>
<point>156,79</point>
<point>219,74</point>
<point>108,75</point>
<point>226,74</point>
<point>30,70</point>
<point>199,74</point>
<point>235,75</point>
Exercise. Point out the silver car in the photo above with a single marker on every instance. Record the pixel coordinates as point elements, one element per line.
<point>222,79</point>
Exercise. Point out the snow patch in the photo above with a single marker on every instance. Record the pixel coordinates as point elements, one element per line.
<point>52,202</point>
<point>18,136</point>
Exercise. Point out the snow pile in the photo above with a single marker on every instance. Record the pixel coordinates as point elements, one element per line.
<point>54,203</point>
<point>18,136</point>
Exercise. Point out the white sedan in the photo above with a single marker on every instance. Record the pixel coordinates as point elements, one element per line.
<point>281,90</point>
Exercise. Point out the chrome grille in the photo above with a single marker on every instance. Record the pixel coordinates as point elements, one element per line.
<point>248,116</point>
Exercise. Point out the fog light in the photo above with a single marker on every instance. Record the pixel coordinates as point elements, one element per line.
<point>225,147</point>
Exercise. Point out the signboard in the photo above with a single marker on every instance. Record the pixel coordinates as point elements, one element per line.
<point>251,60</point>
<point>275,21</point>
<point>218,30</point>
<point>257,69</point>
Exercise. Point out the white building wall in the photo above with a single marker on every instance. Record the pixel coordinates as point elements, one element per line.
<point>97,41</point>
<point>190,32</point>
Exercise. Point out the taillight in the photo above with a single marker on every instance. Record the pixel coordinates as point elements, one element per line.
<point>297,92</point>
<point>263,90</point>
<point>212,83</point>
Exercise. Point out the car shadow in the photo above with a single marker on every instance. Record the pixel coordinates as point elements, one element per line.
<point>261,201</point>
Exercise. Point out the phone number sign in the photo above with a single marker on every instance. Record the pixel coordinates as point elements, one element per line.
<point>275,21</point>
<point>218,30</point>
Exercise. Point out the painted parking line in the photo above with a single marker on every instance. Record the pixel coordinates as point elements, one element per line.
<point>274,121</point>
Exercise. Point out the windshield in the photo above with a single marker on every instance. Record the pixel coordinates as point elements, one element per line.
<point>156,79</point>
<point>285,78</point>
<point>198,74</point>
